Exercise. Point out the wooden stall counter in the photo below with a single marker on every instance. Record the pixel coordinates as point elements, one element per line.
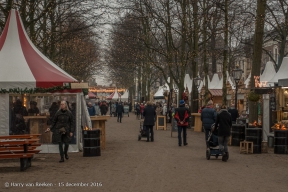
<point>98,122</point>
<point>38,125</point>
<point>197,122</point>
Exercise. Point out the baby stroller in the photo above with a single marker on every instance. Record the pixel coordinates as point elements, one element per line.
<point>212,144</point>
<point>142,131</point>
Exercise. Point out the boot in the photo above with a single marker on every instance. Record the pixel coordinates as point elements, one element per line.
<point>66,151</point>
<point>225,156</point>
<point>61,160</point>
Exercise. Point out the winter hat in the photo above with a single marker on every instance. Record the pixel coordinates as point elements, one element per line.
<point>182,102</point>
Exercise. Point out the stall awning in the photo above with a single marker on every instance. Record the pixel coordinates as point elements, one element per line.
<point>283,82</point>
<point>216,92</point>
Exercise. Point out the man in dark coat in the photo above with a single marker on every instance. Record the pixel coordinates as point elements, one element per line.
<point>208,117</point>
<point>234,113</point>
<point>149,115</point>
<point>119,111</point>
<point>224,124</point>
<point>182,118</point>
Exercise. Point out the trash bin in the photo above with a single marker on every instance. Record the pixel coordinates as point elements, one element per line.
<point>91,143</point>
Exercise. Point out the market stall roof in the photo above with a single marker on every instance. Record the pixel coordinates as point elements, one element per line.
<point>125,95</point>
<point>230,80</point>
<point>281,74</point>
<point>268,72</point>
<point>114,96</point>
<point>91,95</point>
<point>22,64</point>
<point>213,83</point>
<point>159,93</point>
<point>188,82</point>
<point>247,81</point>
<point>216,92</point>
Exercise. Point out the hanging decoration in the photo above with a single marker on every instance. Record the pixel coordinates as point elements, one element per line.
<point>33,90</point>
<point>254,97</point>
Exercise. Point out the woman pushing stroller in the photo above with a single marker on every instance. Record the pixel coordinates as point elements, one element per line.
<point>224,124</point>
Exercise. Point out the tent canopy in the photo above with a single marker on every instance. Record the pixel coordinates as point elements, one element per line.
<point>188,82</point>
<point>268,72</point>
<point>159,93</point>
<point>281,74</point>
<point>91,95</point>
<point>22,64</point>
<point>114,96</point>
<point>125,95</point>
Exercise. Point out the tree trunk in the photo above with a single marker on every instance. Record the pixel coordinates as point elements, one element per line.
<point>195,94</point>
<point>205,64</point>
<point>225,55</point>
<point>257,50</point>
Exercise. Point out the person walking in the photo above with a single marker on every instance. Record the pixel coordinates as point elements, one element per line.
<point>119,111</point>
<point>62,128</point>
<point>103,108</point>
<point>149,115</point>
<point>91,109</point>
<point>224,124</point>
<point>182,118</point>
<point>208,117</point>
<point>234,113</point>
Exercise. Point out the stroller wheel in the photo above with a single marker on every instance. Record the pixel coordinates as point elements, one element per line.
<point>139,137</point>
<point>208,154</point>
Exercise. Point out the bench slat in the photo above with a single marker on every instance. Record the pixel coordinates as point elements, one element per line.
<point>18,155</point>
<point>19,151</point>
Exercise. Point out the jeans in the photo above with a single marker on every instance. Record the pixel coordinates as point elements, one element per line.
<point>223,143</point>
<point>149,129</point>
<point>66,146</point>
<point>119,117</point>
<point>180,128</point>
<point>206,133</point>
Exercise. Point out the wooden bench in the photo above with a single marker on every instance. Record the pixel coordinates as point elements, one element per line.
<point>22,147</point>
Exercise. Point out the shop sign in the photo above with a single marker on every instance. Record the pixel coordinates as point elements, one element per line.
<point>79,86</point>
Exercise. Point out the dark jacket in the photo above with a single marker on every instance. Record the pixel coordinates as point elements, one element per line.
<point>91,111</point>
<point>234,114</point>
<point>182,115</point>
<point>208,117</point>
<point>104,108</point>
<point>62,118</point>
<point>149,115</point>
<point>119,108</point>
<point>224,123</point>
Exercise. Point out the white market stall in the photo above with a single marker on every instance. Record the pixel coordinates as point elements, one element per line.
<point>125,96</point>
<point>114,96</point>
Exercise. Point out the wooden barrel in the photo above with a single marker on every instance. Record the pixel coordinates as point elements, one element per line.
<point>254,135</point>
<point>91,143</point>
<point>281,141</point>
<point>237,134</point>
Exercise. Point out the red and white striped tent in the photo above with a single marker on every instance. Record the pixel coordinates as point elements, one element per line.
<point>22,64</point>
<point>114,96</point>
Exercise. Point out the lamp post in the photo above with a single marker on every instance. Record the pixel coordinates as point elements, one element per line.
<point>197,81</point>
<point>237,74</point>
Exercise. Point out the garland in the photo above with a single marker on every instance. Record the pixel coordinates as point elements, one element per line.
<point>34,90</point>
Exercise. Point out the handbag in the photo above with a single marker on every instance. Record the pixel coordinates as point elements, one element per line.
<point>62,130</point>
